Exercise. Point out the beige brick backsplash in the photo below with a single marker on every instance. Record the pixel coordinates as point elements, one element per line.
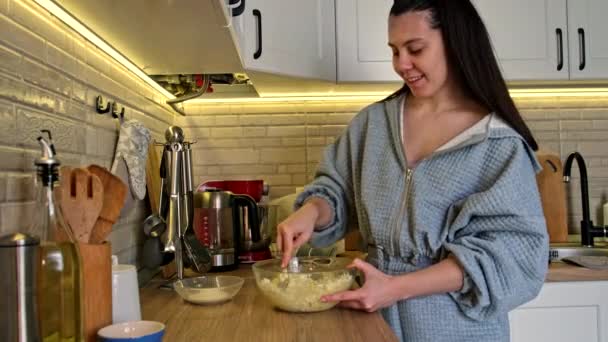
<point>584,135</point>
<point>278,180</point>
<point>595,114</point>
<point>8,122</point>
<point>49,78</point>
<point>576,125</point>
<point>20,187</point>
<point>333,130</point>
<point>227,132</point>
<point>197,133</point>
<point>296,168</point>
<point>589,149</point>
<point>10,61</point>
<point>286,131</point>
<point>65,132</point>
<point>544,125</point>
<point>316,141</point>
<point>254,131</point>
<point>566,114</point>
<point>272,120</point>
<point>299,179</point>
<point>18,91</point>
<point>17,36</point>
<point>567,147</point>
<point>251,169</point>
<point>546,135</point>
<point>2,188</point>
<point>330,119</point>
<point>293,141</point>
<point>282,155</point>
<point>601,124</point>
<point>15,217</point>
<point>227,120</point>
<point>60,60</point>
<point>315,154</point>
<point>235,156</point>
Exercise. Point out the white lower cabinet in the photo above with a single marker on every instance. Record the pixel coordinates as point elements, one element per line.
<point>563,312</point>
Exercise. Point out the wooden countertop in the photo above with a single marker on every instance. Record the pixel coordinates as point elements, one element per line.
<point>249,317</point>
<point>559,272</point>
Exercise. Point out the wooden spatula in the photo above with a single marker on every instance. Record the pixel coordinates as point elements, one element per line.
<point>115,192</point>
<point>81,200</point>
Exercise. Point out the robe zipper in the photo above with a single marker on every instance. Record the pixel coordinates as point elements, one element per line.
<point>398,226</point>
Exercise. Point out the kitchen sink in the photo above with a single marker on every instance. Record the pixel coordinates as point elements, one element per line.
<point>558,251</point>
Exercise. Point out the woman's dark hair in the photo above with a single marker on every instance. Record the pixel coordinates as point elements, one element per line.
<point>470,57</point>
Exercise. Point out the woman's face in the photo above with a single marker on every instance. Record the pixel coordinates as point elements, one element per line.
<point>418,53</point>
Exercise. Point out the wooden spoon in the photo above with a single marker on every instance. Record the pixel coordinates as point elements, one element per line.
<point>115,192</point>
<point>81,201</point>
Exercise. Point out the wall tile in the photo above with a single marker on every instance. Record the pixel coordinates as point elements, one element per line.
<point>286,131</point>
<point>38,22</point>
<point>11,61</point>
<point>8,122</point>
<point>16,217</point>
<point>67,136</point>
<point>21,38</point>
<point>282,155</point>
<point>2,188</point>
<point>20,187</point>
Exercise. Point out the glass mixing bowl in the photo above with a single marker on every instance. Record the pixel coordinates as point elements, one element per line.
<point>208,289</point>
<point>301,291</point>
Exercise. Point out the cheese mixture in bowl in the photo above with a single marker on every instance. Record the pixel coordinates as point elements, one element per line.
<point>301,291</point>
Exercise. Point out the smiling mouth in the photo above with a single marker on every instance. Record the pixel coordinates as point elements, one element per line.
<point>413,79</point>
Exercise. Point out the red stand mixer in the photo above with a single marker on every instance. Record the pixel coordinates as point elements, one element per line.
<point>252,246</point>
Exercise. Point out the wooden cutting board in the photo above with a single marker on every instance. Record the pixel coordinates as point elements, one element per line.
<point>153,175</point>
<point>553,195</point>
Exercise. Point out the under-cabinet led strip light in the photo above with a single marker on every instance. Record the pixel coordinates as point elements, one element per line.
<point>64,16</point>
<point>60,13</point>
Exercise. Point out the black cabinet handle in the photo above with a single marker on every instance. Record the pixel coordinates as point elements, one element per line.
<point>581,48</point>
<point>237,10</point>
<point>560,49</point>
<point>258,14</point>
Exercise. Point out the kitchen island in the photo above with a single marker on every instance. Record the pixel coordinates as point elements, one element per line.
<point>250,317</point>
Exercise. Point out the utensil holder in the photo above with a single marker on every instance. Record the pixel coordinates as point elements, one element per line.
<point>97,287</point>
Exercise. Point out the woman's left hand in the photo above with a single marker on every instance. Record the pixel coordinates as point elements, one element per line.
<point>377,291</point>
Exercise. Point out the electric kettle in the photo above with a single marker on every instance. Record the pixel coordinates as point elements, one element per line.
<point>217,225</point>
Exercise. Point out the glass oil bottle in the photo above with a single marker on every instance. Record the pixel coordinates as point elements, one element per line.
<point>60,273</point>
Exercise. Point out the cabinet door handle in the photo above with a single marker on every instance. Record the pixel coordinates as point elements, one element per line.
<point>560,49</point>
<point>581,48</point>
<point>258,52</point>
<point>237,10</point>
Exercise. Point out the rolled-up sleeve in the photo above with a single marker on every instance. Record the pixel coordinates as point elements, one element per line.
<point>500,239</point>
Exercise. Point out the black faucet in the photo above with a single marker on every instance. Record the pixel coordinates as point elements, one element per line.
<point>588,231</point>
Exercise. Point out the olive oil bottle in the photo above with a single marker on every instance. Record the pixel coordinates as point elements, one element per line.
<point>60,273</point>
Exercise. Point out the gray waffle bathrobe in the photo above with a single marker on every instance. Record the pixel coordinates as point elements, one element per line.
<point>475,198</point>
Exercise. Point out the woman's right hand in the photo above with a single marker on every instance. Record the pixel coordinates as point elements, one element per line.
<point>296,229</point>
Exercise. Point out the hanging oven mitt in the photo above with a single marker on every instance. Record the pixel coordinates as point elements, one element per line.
<point>132,151</point>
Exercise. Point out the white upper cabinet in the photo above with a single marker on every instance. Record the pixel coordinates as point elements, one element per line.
<point>288,37</point>
<point>530,37</point>
<point>361,41</point>
<point>533,39</point>
<point>588,31</point>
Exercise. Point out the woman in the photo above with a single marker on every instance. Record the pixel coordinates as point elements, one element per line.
<point>440,179</point>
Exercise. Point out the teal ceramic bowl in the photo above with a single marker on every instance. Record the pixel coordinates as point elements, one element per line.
<point>134,331</point>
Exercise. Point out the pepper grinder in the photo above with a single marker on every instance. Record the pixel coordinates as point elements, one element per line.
<point>19,257</point>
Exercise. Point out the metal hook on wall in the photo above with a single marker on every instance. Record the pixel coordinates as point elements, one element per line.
<point>99,105</point>
<point>116,114</point>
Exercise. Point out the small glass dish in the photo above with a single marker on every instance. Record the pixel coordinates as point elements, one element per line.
<point>208,289</point>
